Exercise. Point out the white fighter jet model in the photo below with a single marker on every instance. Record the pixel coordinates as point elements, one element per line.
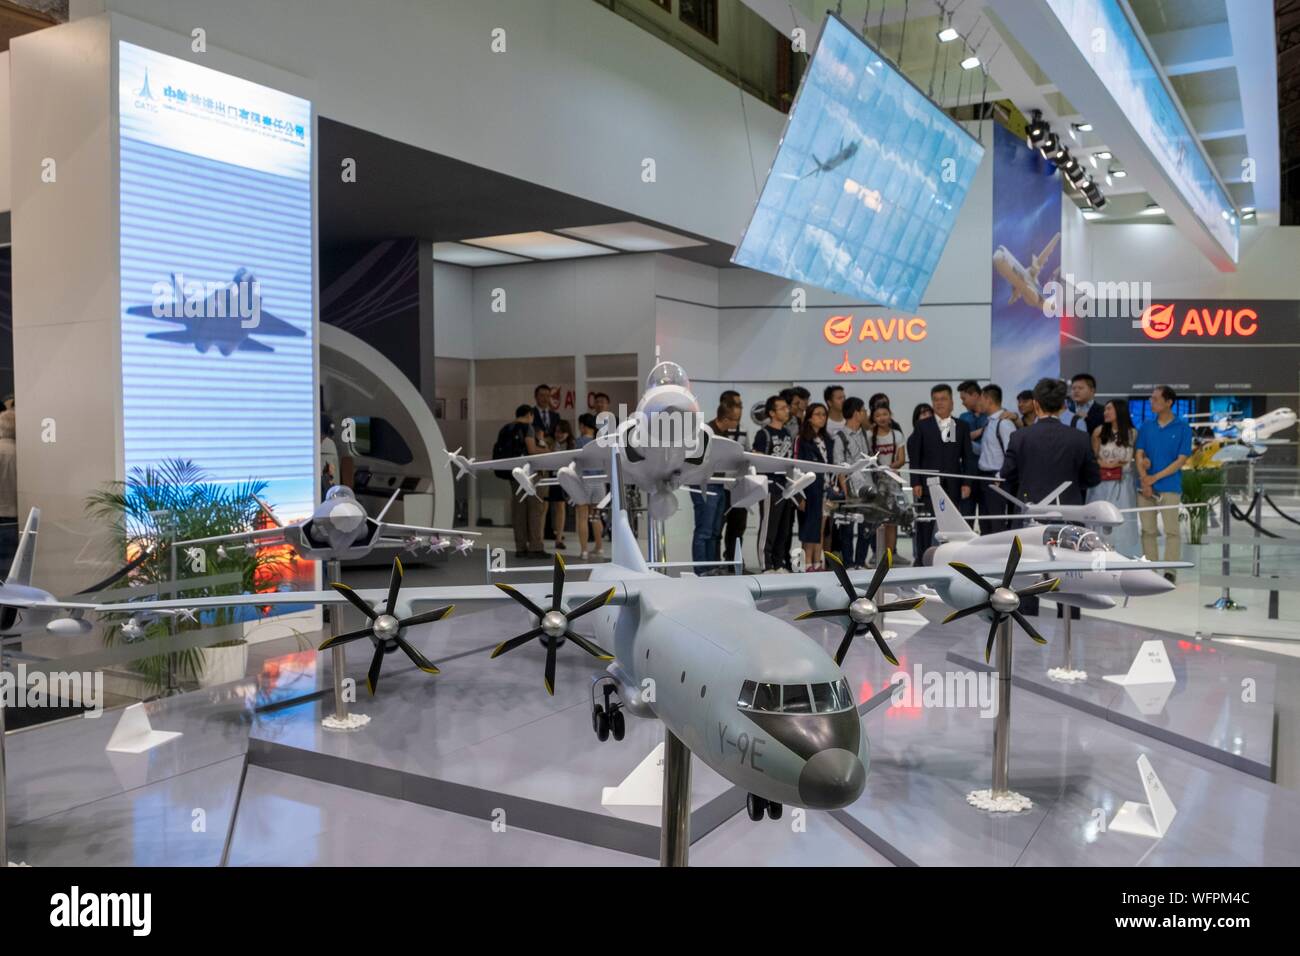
<point>664,446</point>
<point>1108,575</point>
<point>27,610</point>
<point>339,530</point>
<point>750,694</point>
<point>1246,438</point>
<point>1024,279</point>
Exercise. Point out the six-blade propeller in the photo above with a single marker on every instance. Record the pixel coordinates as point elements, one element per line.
<point>385,628</point>
<point>862,610</point>
<point>1003,600</point>
<point>553,625</point>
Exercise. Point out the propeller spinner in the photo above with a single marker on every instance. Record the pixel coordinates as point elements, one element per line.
<point>1003,600</point>
<point>553,626</point>
<point>386,628</point>
<point>862,610</point>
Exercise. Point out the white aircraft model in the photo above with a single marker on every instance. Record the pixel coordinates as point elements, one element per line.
<point>1248,437</point>
<point>664,446</point>
<point>1094,514</point>
<point>751,695</point>
<point>1024,280</point>
<point>339,530</point>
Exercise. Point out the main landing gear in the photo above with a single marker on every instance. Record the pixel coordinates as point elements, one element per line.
<point>607,718</point>
<point>757,806</point>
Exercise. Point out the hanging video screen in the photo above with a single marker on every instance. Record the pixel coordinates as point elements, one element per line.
<point>867,180</point>
<point>216,276</point>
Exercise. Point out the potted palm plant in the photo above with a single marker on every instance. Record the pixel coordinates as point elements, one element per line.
<point>177,501</point>
<point>1199,486</point>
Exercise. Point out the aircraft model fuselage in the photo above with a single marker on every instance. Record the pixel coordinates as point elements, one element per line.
<point>756,699</point>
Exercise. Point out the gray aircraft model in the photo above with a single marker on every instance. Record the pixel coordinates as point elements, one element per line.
<point>340,530</point>
<point>1094,514</point>
<point>225,320</point>
<point>751,695</point>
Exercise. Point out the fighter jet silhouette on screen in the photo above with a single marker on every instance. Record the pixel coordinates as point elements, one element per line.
<point>845,153</point>
<point>226,319</point>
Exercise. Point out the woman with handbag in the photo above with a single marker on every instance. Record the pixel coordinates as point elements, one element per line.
<point>1112,442</point>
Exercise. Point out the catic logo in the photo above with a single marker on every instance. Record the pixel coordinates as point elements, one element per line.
<point>839,329</point>
<point>1158,322</point>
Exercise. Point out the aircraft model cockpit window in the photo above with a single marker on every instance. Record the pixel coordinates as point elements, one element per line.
<point>795,698</point>
<point>1074,538</point>
<point>668,373</point>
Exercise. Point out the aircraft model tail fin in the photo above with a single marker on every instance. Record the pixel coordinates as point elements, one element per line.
<point>266,509</point>
<point>20,572</point>
<point>626,552</point>
<point>396,491</point>
<point>1053,496</point>
<point>948,521</point>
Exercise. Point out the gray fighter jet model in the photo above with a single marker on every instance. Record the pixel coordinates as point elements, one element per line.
<point>225,320</point>
<point>340,530</point>
<point>751,695</point>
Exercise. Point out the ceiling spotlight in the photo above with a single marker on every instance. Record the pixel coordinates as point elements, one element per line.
<point>1037,131</point>
<point>1051,143</point>
<point>1074,172</point>
<point>1153,210</point>
<point>1093,159</point>
<point>947,35</point>
<point>970,62</point>
<point>1099,202</point>
<point>1118,173</point>
<point>1083,127</point>
<point>1105,154</point>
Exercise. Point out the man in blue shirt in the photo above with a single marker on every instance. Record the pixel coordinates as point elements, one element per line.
<point>1163,446</point>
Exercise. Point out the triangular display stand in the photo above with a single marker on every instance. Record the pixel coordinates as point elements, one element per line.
<point>134,734</point>
<point>1151,666</point>
<point>643,787</point>
<point>1150,819</point>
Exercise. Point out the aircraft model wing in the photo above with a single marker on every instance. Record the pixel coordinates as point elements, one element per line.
<point>727,455</point>
<point>10,600</point>
<point>261,534</point>
<point>591,455</point>
<point>774,585</point>
<point>575,592</point>
<point>386,527</point>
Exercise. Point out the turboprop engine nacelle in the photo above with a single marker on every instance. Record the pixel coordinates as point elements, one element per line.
<point>749,489</point>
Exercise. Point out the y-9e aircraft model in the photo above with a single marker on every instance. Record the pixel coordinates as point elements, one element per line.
<point>751,695</point>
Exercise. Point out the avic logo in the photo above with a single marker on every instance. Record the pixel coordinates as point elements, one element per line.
<point>1158,322</point>
<point>839,329</point>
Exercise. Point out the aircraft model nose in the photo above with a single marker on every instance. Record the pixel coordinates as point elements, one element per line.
<point>831,779</point>
<point>1143,583</point>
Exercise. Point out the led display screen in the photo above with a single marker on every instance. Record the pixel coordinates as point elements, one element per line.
<point>867,180</point>
<point>216,276</point>
<point>1103,34</point>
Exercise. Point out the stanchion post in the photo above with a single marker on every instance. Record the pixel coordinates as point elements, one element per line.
<point>338,656</point>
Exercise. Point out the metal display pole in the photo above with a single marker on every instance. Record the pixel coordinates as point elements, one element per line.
<point>1225,601</point>
<point>1069,636</point>
<point>656,539</point>
<point>338,656</point>
<point>675,825</point>
<point>1002,731</point>
<point>4,815</point>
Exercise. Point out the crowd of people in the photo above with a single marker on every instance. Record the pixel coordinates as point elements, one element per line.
<point>1058,436</point>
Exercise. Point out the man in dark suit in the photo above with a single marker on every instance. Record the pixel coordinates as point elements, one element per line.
<point>1088,412</point>
<point>1047,454</point>
<point>545,417</point>
<point>940,443</point>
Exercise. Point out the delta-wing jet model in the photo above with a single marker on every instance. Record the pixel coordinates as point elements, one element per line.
<point>340,530</point>
<point>1024,279</point>
<point>751,695</point>
<point>225,319</point>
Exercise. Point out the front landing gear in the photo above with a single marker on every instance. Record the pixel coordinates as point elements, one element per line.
<point>607,718</point>
<point>756,806</point>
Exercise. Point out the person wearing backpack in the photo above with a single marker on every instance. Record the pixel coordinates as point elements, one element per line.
<point>514,440</point>
<point>993,451</point>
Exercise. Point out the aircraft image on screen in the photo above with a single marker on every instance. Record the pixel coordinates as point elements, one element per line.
<point>226,319</point>
<point>843,155</point>
<point>340,530</point>
<point>1024,279</point>
<point>750,694</point>
<point>900,171</point>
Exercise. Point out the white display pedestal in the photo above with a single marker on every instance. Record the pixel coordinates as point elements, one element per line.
<point>643,787</point>
<point>1150,819</point>
<point>134,734</point>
